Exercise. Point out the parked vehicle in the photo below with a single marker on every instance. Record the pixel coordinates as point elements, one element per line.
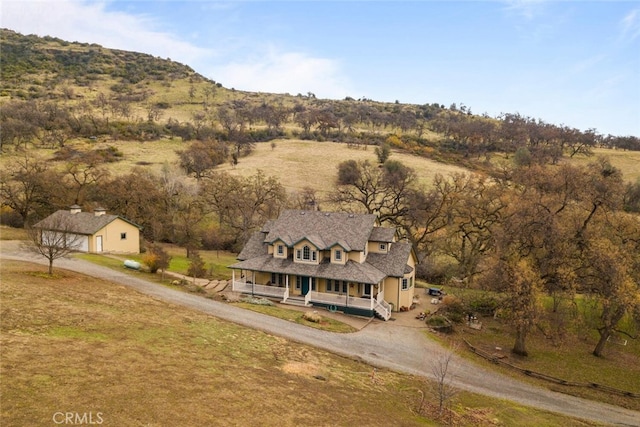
<point>436,292</point>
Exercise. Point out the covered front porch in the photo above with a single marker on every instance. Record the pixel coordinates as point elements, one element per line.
<point>364,305</point>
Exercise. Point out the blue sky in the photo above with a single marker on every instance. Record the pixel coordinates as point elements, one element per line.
<point>572,63</point>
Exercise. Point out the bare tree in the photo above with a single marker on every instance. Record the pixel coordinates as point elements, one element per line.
<point>53,238</point>
<point>440,369</point>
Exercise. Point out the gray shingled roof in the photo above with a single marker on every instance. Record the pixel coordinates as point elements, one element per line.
<point>326,228</point>
<point>86,223</point>
<point>382,234</point>
<point>393,263</point>
<point>254,247</point>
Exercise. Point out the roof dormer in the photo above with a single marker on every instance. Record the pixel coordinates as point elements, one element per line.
<point>305,251</point>
<point>339,254</point>
<point>280,249</point>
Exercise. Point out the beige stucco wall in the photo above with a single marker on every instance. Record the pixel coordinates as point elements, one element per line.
<point>374,247</point>
<point>261,278</point>
<point>357,256</point>
<point>393,292</point>
<point>111,241</point>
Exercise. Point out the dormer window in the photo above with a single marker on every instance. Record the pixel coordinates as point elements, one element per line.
<point>280,250</point>
<point>306,254</point>
<point>383,247</point>
<point>338,255</point>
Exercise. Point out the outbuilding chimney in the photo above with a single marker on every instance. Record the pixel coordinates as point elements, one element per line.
<point>99,211</point>
<point>75,209</point>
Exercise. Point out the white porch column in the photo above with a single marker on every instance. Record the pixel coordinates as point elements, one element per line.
<point>371,298</point>
<point>253,282</point>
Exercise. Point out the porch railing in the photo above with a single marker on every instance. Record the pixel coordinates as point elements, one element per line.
<point>383,308</point>
<point>307,298</point>
<point>262,290</point>
<point>379,304</point>
<point>340,300</point>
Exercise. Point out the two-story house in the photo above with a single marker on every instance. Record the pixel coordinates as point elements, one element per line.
<point>341,261</point>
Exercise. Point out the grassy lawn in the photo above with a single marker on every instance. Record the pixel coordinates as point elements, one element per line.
<point>325,323</point>
<point>11,233</point>
<point>73,343</point>
<point>216,261</point>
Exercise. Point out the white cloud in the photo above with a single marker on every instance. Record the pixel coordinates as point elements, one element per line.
<point>285,72</point>
<point>91,22</point>
<point>630,25</point>
<point>528,9</point>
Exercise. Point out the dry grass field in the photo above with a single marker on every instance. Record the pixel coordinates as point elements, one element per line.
<point>299,164</point>
<point>71,343</point>
<point>295,163</point>
<point>627,161</point>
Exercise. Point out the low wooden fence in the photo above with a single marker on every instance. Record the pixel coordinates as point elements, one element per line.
<point>498,361</point>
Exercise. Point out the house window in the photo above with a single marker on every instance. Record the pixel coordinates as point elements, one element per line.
<point>123,236</point>
<point>280,250</point>
<point>338,255</point>
<point>277,279</point>
<point>306,254</point>
<point>407,283</point>
<point>313,283</point>
<point>367,290</point>
<point>335,285</point>
<point>298,282</point>
<point>383,247</point>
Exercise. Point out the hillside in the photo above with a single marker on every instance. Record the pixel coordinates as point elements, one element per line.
<point>128,95</point>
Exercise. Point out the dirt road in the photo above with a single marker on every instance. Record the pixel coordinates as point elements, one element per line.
<point>382,344</point>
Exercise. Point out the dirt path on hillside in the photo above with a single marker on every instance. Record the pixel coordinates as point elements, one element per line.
<point>394,345</point>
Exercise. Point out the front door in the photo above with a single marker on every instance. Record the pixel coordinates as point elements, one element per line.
<point>305,285</point>
<point>98,243</point>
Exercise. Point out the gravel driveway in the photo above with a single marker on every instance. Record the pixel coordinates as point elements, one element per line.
<point>383,344</point>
